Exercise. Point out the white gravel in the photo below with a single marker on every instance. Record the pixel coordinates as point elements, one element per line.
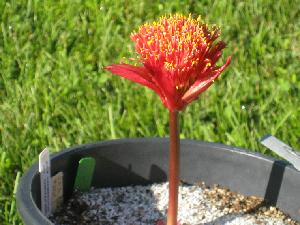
<point>144,205</point>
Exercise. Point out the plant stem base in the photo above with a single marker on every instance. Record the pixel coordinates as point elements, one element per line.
<point>163,222</point>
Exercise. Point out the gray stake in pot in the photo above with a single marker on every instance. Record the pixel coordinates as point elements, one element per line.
<point>282,150</point>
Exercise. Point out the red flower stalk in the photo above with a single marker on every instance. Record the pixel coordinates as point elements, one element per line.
<point>178,57</point>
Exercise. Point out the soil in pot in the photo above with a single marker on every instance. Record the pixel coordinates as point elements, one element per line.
<point>144,205</point>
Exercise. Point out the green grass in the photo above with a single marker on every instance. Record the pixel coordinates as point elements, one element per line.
<point>54,92</point>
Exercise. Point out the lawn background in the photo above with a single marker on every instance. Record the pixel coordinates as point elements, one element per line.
<point>54,92</point>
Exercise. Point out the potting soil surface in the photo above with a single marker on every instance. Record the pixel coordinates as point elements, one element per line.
<point>145,205</point>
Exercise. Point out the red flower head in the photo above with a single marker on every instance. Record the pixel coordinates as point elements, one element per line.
<point>179,58</point>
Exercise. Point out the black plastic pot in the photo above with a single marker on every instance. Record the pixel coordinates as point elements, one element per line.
<point>143,161</point>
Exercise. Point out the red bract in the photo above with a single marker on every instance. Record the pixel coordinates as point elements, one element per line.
<point>179,58</point>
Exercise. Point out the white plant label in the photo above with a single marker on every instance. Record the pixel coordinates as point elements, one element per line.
<point>57,191</point>
<point>45,177</point>
<point>282,150</point>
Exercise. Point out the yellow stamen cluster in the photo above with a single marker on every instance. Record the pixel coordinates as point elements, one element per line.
<point>176,42</point>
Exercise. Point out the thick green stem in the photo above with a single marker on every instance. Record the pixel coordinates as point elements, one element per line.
<point>173,168</point>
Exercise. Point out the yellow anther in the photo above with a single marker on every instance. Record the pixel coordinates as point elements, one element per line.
<point>150,42</point>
